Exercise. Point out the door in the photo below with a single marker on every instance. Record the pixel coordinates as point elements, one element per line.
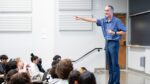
<point>122,50</point>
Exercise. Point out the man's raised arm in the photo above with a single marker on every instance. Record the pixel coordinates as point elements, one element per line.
<point>86,19</point>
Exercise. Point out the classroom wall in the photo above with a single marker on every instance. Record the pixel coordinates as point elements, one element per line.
<point>40,40</point>
<point>134,59</point>
<point>134,55</point>
<point>45,39</point>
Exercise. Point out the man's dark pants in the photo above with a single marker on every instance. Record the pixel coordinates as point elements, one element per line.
<point>112,48</point>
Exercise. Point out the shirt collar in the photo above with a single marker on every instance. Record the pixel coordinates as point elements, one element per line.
<point>106,19</point>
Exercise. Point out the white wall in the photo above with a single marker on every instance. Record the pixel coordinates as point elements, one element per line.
<point>147,59</point>
<point>134,55</point>
<point>74,44</point>
<point>40,41</point>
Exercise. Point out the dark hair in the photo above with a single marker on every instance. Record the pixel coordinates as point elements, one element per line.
<point>41,69</point>
<point>20,78</point>
<point>83,68</point>
<point>33,57</point>
<point>112,8</point>
<point>87,78</point>
<point>63,68</point>
<point>52,70</point>
<point>40,61</point>
<point>55,62</point>
<point>2,57</point>
<point>11,65</point>
<point>10,74</point>
<point>74,76</point>
<point>56,57</point>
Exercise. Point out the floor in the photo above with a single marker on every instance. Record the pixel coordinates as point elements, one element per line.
<point>127,77</point>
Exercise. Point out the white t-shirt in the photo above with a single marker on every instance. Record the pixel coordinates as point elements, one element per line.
<point>62,81</point>
<point>57,81</point>
<point>33,70</point>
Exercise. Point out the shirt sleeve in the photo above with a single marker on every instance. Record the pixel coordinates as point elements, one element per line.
<point>121,26</point>
<point>98,22</point>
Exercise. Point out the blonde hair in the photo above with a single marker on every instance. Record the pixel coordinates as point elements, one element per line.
<point>17,59</point>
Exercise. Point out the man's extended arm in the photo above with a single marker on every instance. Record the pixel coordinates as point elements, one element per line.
<point>86,19</point>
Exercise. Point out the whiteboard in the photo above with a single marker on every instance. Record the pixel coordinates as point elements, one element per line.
<point>75,5</point>
<point>15,23</point>
<point>68,22</point>
<point>15,5</point>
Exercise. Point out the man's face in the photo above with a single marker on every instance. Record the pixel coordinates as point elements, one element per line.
<point>108,11</point>
<point>4,61</point>
<point>36,61</point>
<point>81,71</point>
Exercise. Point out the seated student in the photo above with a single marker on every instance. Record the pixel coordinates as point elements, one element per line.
<point>20,78</point>
<point>86,76</point>
<point>9,75</point>
<point>33,70</point>
<point>11,65</point>
<point>52,72</point>
<point>41,69</point>
<point>56,59</point>
<point>20,65</point>
<point>3,64</point>
<point>74,77</point>
<point>63,68</point>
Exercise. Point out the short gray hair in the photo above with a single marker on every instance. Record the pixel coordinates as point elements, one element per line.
<point>112,8</point>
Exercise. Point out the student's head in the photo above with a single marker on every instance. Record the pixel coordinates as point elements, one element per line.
<point>109,11</point>
<point>63,68</point>
<point>34,59</point>
<point>53,69</point>
<point>86,77</point>
<point>19,62</point>
<point>4,59</point>
<point>20,78</point>
<point>11,65</point>
<point>10,74</point>
<point>82,69</point>
<point>74,77</point>
<point>56,60</point>
<point>57,57</point>
<point>52,72</point>
<point>39,61</point>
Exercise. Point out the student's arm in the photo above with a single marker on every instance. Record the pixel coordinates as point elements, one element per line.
<point>86,19</point>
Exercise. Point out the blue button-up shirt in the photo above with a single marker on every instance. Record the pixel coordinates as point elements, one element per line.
<point>115,25</point>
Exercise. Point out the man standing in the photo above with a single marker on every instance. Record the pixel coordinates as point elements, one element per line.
<point>113,29</point>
